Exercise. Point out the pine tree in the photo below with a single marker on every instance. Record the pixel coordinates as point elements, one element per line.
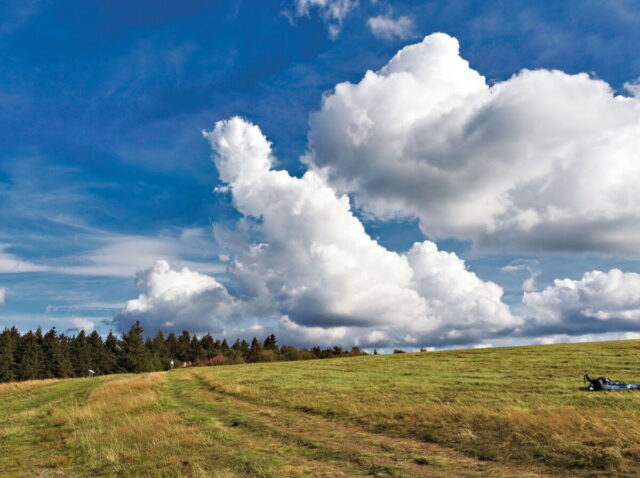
<point>195,348</point>
<point>224,347</point>
<point>208,346</point>
<point>254,351</point>
<point>80,355</point>
<point>160,351</point>
<point>184,349</point>
<point>56,361</point>
<point>111,358</point>
<point>7,358</point>
<point>270,343</point>
<point>97,352</point>
<point>28,357</point>
<point>135,355</point>
<point>173,346</point>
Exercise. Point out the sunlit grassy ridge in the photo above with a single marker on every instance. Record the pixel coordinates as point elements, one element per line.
<point>516,411</point>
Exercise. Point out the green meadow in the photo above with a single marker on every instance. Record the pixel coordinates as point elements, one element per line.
<point>504,412</point>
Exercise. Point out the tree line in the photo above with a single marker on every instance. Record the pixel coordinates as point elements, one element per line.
<point>40,355</point>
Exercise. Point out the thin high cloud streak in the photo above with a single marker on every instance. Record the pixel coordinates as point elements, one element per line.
<point>119,255</point>
<point>544,161</point>
<point>302,258</point>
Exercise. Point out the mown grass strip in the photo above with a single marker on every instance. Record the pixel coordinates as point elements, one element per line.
<point>344,443</point>
<point>522,405</point>
<point>244,445</point>
<point>30,443</point>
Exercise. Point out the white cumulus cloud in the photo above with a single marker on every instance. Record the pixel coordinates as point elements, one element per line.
<point>82,323</point>
<point>542,161</point>
<point>599,302</point>
<point>601,295</point>
<point>176,300</point>
<point>301,255</point>
<point>388,28</point>
<point>303,265</point>
<point>3,294</point>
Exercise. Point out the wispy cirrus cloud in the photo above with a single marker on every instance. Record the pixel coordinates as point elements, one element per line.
<point>122,255</point>
<point>388,27</point>
<point>332,12</point>
<point>12,264</point>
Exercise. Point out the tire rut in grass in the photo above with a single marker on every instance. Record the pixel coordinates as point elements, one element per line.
<point>375,454</point>
<point>30,441</point>
<point>289,455</point>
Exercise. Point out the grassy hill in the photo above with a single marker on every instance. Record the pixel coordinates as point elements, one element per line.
<point>512,412</point>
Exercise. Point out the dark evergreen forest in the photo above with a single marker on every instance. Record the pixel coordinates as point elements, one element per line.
<point>39,355</point>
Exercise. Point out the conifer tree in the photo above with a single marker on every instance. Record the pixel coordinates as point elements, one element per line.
<point>97,352</point>
<point>184,347</point>
<point>160,351</point>
<point>7,359</point>
<point>254,351</point>
<point>56,360</point>
<point>110,360</point>
<point>135,355</point>
<point>80,355</point>
<point>208,346</point>
<point>224,347</point>
<point>195,348</point>
<point>173,346</point>
<point>28,357</point>
<point>270,343</point>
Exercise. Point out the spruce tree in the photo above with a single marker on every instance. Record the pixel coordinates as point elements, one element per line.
<point>56,361</point>
<point>28,357</point>
<point>270,343</point>
<point>184,347</point>
<point>135,355</point>
<point>195,348</point>
<point>111,357</point>
<point>80,355</point>
<point>160,351</point>
<point>254,351</point>
<point>97,352</point>
<point>173,347</point>
<point>7,359</point>
<point>208,346</point>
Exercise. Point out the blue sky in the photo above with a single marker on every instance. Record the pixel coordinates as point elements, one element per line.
<point>103,167</point>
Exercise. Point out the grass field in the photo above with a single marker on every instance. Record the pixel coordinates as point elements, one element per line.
<point>508,412</point>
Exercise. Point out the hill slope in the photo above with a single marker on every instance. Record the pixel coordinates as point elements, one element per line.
<point>518,411</point>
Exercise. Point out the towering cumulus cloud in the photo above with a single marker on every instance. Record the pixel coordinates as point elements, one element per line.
<point>306,259</point>
<point>304,264</point>
<point>543,160</point>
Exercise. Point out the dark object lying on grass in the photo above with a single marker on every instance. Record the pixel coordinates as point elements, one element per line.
<point>605,383</point>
